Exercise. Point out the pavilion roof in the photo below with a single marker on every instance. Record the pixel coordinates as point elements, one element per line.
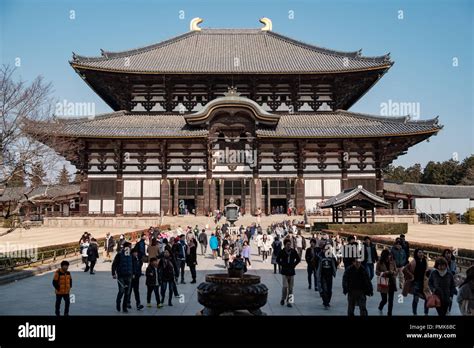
<point>223,51</point>
<point>429,190</point>
<point>354,194</point>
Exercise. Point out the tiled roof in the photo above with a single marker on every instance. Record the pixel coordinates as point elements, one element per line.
<point>331,124</point>
<point>122,124</point>
<point>231,51</point>
<point>342,124</point>
<point>347,195</point>
<point>428,190</point>
<point>40,192</point>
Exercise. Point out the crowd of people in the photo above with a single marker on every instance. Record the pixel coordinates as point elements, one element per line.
<point>163,258</point>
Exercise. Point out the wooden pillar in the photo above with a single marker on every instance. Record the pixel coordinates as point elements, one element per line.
<point>175,197</point>
<point>360,216</point>
<point>83,196</point>
<point>242,196</point>
<point>269,202</point>
<point>206,191</point>
<point>221,194</point>
<point>373,215</point>
<point>165,196</point>
<point>212,195</point>
<point>300,196</point>
<point>343,215</point>
<point>256,195</point>
<point>119,195</point>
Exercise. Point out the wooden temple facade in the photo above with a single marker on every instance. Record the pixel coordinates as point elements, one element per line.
<point>220,113</point>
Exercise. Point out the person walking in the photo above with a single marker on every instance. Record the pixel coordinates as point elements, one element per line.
<point>386,271</point>
<point>400,259</point>
<point>441,283</point>
<point>191,258</point>
<point>266,246</point>
<point>214,245</point>
<point>288,258</point>
<point>276,248</point>
<point>405,246</point>
<point>202,239</point>
<point>153,249</point>
<point>136,274</point>
<point>181,256</point>
<point>416,282</point>
<point>85,257</point>
<point>300,242</point>
<point>465,297</point>
<point>226,255</point>
<point>62,282</point>
<point>109,246</point>
<point>312,262</point>
<point>246,254</point>
<point>370,256</point>
<point>357,286</point>
<point>92,256</point>
<point>153,281</point>
<point>168,273</point>
<point>258,241</point>
<point>326,271</point>
<point>122,271</point>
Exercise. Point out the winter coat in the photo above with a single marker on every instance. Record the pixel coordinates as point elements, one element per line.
<point>62,282</point>
<point>276,248</point>
<point>136,267</point>
<point>182,249</point>
<point>326,265</point>
<point>167,270</point>
<point>266,245</point>
<point>202,238</point>
<point>312,258</point>
<point>443,286</point>
<point>122,265</point>
<point>191,257</point>
<point>93,252</point>
<point>84,247</point>
<point>153,276</point>
<point>356,280</point>
<point>390,272</point>
<point>373,251</point>
<point>465,298</point>
<point>109,244</point>
<point>153,251</point>
<point>246,251</point>
<point>288,261</point>
<point>214,243</point>
<point>399,256</point>
<point>409,284</point>
<point>141,248</point>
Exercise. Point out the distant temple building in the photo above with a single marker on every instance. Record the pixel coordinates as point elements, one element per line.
<point>215,114</point>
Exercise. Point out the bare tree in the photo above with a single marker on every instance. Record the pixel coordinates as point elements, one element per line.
<point>22,106</point>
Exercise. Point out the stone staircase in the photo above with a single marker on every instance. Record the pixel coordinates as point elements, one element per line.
<point>201,221</point>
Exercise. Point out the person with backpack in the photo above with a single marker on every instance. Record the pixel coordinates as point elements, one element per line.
<point>214,245</point>
<point>122,271</point>
<point>62,282</point>
<point>92,256</point>
<point>153,281</point>
<point>167,276</point>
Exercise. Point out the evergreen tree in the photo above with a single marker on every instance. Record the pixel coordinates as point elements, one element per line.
<point>63,178</point>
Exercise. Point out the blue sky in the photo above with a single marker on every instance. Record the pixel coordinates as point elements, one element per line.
<point>423,45</point>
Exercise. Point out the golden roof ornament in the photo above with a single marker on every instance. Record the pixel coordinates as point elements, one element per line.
<point>194,24</point>
<point>267,24</point>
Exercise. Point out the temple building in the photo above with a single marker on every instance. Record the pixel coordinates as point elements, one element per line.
<point>215,114</point>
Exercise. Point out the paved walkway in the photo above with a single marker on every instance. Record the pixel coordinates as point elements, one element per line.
<point>95,294</point>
